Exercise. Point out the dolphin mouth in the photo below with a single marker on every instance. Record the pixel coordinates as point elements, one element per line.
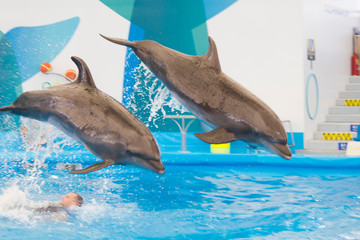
<point>282,149</point>
<point>156,166</point>
<point>151,164</point>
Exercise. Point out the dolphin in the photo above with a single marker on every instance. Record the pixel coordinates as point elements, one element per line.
<point>99,122</point>
<point>200,85</point>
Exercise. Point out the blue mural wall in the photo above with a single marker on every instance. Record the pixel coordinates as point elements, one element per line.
<point>10,82</point>
<point>22,51</point>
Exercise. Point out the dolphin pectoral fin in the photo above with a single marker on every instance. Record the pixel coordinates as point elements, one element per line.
<point>94,167</point>
<point>216,136</point>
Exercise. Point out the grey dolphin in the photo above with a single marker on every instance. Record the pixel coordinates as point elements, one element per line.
<point>102,124</point>
<point>200,85</point>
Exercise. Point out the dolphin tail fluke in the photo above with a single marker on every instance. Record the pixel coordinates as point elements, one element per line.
<point>217,136</point>
<point>119,41</point>
<point>94,167</point>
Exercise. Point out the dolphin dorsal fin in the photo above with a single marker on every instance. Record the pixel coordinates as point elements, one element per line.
<point>212,55</point>
<point>84,76</point>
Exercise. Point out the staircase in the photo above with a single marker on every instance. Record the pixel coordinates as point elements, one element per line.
<point>340,127</point>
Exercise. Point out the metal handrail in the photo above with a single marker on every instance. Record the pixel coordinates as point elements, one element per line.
<point>183,127</point>
<point>291,133</point>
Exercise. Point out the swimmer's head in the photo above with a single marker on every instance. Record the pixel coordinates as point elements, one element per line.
<point>72,199</point>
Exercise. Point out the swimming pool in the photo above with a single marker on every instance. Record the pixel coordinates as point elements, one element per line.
<point>201,195</point>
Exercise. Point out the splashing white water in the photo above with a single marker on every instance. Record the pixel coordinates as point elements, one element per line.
<point>40,140</point>
<point>15,205</point>
<point>40,136</point>
<point>156,99</point>
<point>161,99</point>
<point>92,211</point>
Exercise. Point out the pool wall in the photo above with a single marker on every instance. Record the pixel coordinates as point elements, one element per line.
<point>199,153</point>
<point>167,141</point>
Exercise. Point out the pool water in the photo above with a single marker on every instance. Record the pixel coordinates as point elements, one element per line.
<point>201,196</point>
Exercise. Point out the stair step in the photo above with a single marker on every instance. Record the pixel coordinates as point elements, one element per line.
<point>326,145</point>
<point>347,102</point>
<point>354,79</point>
<point>331,136</point>
<point>320,152</point>
<point>340,102</point>
<point>335,127</point>
<point>353,87</point>
<point>350,94</point>
<point>342,118</point>
<point>341,123</point>
<point>344,110</point>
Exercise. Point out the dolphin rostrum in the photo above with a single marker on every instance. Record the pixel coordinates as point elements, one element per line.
<point>102,124</point>
<point>200,85</point>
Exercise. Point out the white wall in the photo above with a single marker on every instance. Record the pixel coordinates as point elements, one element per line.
<point>330,24</point>
<point>260,45</point>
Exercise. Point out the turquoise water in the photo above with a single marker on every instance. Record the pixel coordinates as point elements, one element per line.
<point>201,196</point>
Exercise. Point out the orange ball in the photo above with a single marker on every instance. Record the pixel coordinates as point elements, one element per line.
<point>45,67</point>
<point>70,74</point>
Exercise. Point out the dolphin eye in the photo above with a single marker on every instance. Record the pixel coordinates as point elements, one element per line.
<point>196,62</point>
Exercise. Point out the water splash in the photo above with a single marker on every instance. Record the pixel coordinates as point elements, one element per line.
<point>16,206</point>
<point>39,140</point>
<point>25,171</point>
<point>150,100</point>
<point>12,201</point>
<point>27,149</point>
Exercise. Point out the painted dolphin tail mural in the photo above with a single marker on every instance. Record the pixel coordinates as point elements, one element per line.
<point>99,122</point>
<point>200,85</point>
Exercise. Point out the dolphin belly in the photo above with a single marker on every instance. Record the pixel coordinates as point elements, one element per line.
<point>236,114</point>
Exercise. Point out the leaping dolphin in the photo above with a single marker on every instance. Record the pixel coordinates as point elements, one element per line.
<point>200,85</point>
<point>104,126</point>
